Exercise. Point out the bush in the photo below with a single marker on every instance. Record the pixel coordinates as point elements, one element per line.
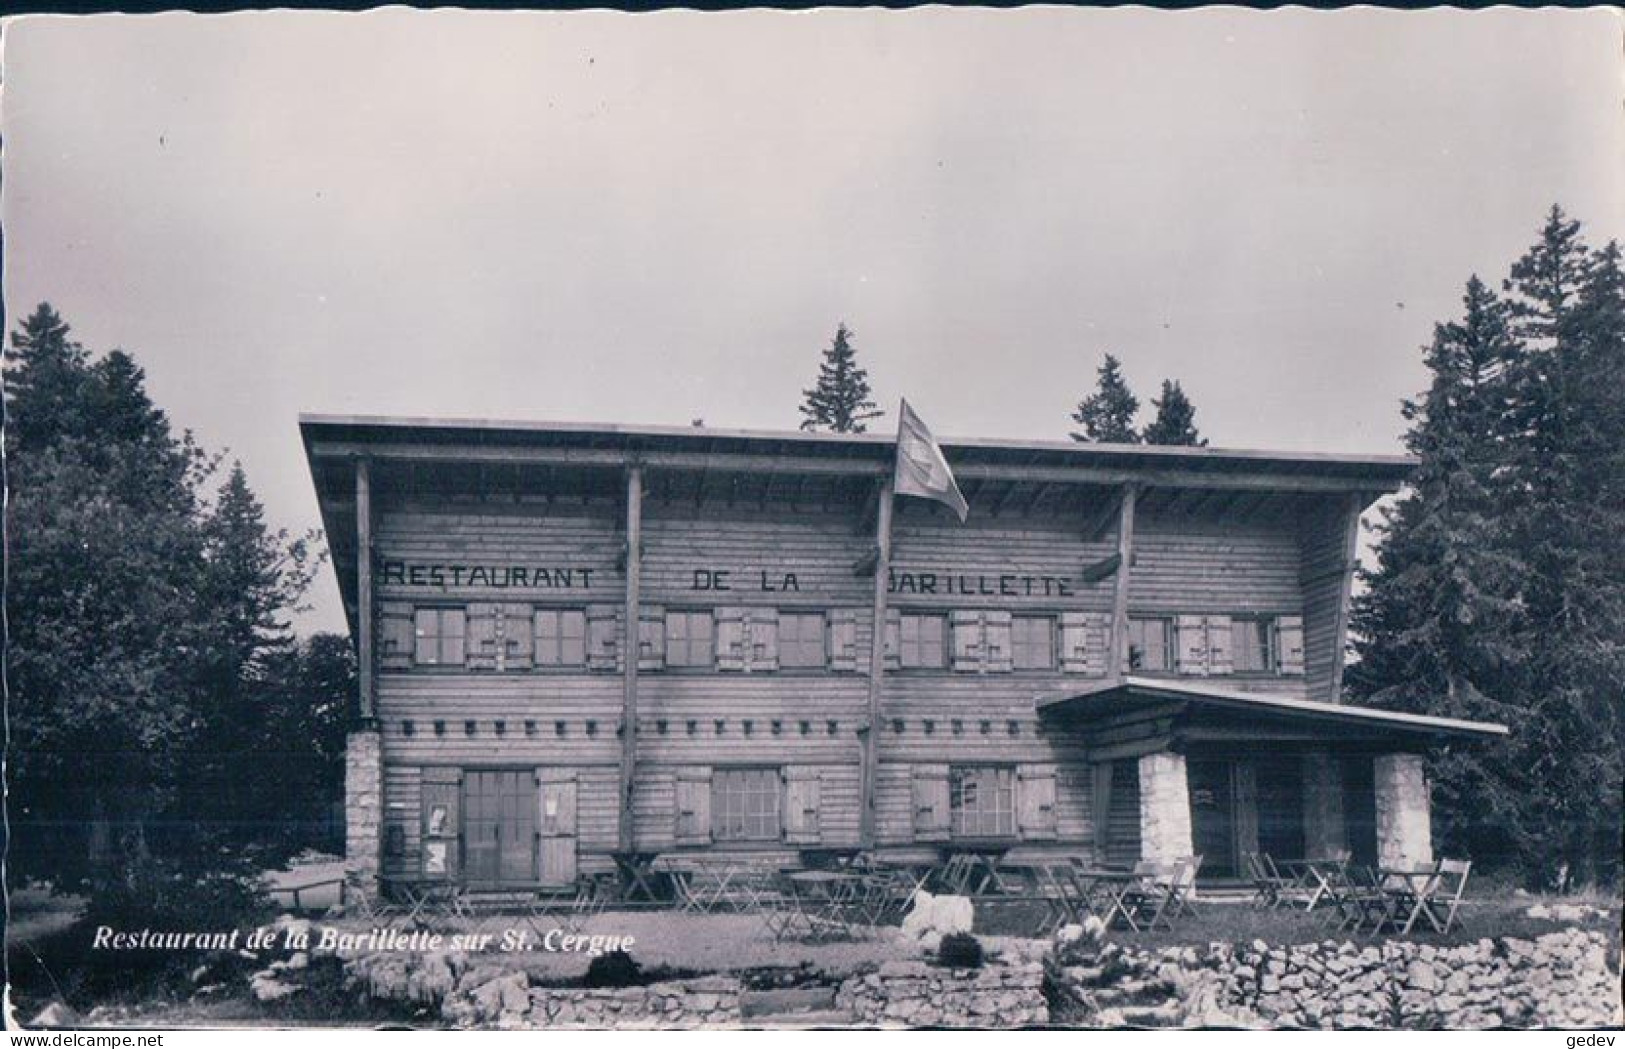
<point>615,969</point>
<point>960,950</point>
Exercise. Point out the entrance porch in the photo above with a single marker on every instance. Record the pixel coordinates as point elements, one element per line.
<point>1182,770</point>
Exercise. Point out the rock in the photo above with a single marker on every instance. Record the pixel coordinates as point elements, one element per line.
<point>267,988</point>
<point>939,915</point>
<point>298,960</point>
<point>56,1014</point>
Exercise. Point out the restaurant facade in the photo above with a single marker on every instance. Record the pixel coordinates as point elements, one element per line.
<point>584,644</point>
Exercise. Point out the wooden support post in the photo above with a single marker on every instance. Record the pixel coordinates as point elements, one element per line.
<point>633,646</point>
<point>1125,554</point>
<point>1354,503</point>
<point>364,616</point>
<point>1100,798</point>
<point>877,668</point>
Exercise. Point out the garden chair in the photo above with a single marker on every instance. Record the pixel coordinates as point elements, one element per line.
<point>1149,898</point>
<point>1184,901</point>
<point>1365,901</point>
<point>1268,886</point>
<point>1449,888</point>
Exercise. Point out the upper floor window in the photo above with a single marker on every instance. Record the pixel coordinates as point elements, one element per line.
<point>690,639</point>
<point>922,641</point>
<point>745,804</point>
<point>801,639</point>
<point>1033,642</point>
<point>440,636</point>
<point>982,800</point>
<point>1151,644</point>
<point>1253,645</point>
<point>561,637</point>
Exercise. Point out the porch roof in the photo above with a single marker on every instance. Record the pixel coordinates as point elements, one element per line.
<point>1130,695</point>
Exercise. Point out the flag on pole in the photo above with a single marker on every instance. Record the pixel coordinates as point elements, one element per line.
<point>921,468</point>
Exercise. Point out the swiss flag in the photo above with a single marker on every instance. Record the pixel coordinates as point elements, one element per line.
<point>921,469</point>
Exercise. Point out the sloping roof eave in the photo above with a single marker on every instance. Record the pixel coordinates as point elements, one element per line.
<point>1133,687</point>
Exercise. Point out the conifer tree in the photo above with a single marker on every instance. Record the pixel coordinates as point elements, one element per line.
<point>1107,415</point>
<point>1176,419</point>
<point>839,402</point>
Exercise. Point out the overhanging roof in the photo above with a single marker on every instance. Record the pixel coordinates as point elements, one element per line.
<point>1126,695</point>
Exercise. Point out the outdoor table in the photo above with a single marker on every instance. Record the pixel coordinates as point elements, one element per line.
<point>1114,885</point>
<point>1315,877</point>
<point>822,899</point>
<point>968,869</point>
<point>635,869</point>
<point>1410,889</point>
<point>703,883</point>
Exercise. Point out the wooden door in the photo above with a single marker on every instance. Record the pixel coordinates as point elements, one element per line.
<point>1213,816</point>
<point>556,827</point>
<point>499,826</point>
<point>1280,806</point>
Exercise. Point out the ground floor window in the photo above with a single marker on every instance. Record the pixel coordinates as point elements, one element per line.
<point>745,804</point>
<point>982,799</point>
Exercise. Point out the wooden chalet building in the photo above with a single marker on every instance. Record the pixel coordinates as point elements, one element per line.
<point>579,643</point>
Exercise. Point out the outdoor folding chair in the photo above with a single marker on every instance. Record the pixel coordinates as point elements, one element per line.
<point>568,909</point>
<point>1150,897</point>
<point>1184,900</point>
<point>1290,887</point>
<point>1364,902</point>
<point>1267,887</point>
<point>1448,890</point>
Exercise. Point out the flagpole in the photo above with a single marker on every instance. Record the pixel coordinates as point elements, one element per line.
<point>877,666</point>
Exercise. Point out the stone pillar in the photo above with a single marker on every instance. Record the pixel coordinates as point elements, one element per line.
<point>1404,828</point>
<point>363,807</point>
<point>1324,835</point>
<point>1165,807</point>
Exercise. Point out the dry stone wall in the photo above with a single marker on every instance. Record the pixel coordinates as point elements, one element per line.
<point>915,994</point>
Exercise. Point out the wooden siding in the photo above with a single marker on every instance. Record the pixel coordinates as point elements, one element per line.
<point>1323,574</point>
<point>1200,563</point>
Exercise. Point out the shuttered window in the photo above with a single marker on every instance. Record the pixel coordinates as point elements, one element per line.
<point>561,637</point>
<point>922,641</point>
<point>745,804</point>
<point>1151,644</point>
<point>1253,645</point>
<point>440,636</point>
<point>983,801</point>
<point>1033,642</point>
<point>689,639</point>
<point>801,639</point>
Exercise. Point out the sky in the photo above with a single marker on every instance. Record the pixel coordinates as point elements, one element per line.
<point>662,217</point>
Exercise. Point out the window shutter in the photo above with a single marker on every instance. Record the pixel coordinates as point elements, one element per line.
<point>801,805</point>
<point>693,806</point>
<point>764,639</point>
<point>396,637</point>
<point>1190,644</point>
<point>603,654</point>
<point>730,639</point>
<point>1097,641</point>
<point>1221,657</point>
<point>426,635</point>
<point>894,631</point>
<point>482,637</point>
<point>441,812</point>
<point>651,637</point>
<point>997,657</point>
<point>518,636</point>
<point>1289,644</point>
<point>931,803</point>
<point>965,632</point>
<point>1035,796</point>
<point>1074,642</point>
<point>843,640</point>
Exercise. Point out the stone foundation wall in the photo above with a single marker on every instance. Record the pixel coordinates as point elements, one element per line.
<point>1558,980</point>
<point>1404,823</point>
<point>363,806</point>
<point>915,994</point>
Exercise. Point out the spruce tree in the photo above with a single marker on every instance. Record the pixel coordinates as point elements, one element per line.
<point>1107,415</point>
<point>1500,588</point>
<point>839,402</point>
<point>1176,419</point>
